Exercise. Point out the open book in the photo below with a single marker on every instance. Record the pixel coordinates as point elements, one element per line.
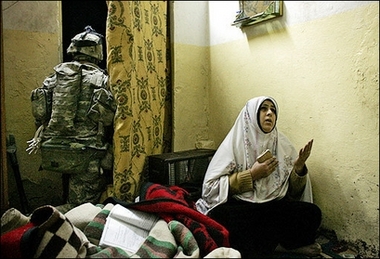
<point>127,228</point>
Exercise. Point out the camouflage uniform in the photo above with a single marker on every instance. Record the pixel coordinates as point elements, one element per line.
<point>74,113</point>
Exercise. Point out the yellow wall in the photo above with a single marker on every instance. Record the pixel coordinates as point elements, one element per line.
<point>324,74</point>
<point>32,47</point>
<point>190,102</point>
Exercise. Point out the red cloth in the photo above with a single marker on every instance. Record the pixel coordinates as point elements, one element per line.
<point>174,203</point>
<point>11,242</point>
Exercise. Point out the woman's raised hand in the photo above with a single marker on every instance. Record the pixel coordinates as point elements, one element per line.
<point>302,157</point>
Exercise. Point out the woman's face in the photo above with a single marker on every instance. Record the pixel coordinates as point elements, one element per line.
<point>267,115</point>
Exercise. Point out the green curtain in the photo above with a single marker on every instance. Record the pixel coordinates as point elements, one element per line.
<point>138,66</point>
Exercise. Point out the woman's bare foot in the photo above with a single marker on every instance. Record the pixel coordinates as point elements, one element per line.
<point>309,250</point>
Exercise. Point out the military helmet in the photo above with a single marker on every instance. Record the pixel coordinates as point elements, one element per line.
<point>88,43</point>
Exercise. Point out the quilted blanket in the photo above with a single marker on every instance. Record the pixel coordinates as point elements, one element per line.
<point>174,203</point>
<point>181,232</point>
<point>165,240</point>
<point>179,219</point>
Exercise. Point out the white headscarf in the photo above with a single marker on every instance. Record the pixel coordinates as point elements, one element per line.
<point>238,152</point>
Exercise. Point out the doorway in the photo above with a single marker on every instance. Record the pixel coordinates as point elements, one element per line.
<point>76,15</point>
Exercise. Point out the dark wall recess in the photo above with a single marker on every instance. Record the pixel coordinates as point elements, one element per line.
<point>76,15</point>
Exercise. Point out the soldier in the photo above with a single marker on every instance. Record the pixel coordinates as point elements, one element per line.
<point>74,111</point>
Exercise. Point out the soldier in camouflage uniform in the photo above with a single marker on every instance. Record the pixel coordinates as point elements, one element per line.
<point>74,112</point>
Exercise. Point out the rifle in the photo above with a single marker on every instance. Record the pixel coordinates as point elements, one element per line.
<point>11,151</point>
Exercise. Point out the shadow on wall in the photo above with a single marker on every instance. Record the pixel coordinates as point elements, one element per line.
<point>37,194</point>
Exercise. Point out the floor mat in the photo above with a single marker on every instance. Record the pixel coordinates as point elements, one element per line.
<point>330,249</point>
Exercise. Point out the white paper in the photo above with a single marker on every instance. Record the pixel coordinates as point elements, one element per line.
<point>127,228</point>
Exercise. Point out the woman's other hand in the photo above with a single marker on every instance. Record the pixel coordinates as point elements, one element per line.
<point>302,157</point>
<point>261,170</point>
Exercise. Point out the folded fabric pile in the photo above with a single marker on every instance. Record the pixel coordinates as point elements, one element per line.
<point>181,232</point>
<point>175,203</point>
<point>48,234</point>
<point>12,219</point>
<point>165,240</point>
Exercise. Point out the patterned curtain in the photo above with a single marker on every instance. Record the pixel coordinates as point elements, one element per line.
<point>138,65</point>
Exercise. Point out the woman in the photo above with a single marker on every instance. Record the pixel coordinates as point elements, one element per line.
<point>266,206</point>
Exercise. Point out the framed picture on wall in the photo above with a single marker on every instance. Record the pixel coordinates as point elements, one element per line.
<point>252,12</point>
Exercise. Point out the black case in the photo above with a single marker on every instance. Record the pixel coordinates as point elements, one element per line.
<point>184,168</point>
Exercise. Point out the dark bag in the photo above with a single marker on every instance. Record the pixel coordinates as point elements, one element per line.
<point>68,156</point>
